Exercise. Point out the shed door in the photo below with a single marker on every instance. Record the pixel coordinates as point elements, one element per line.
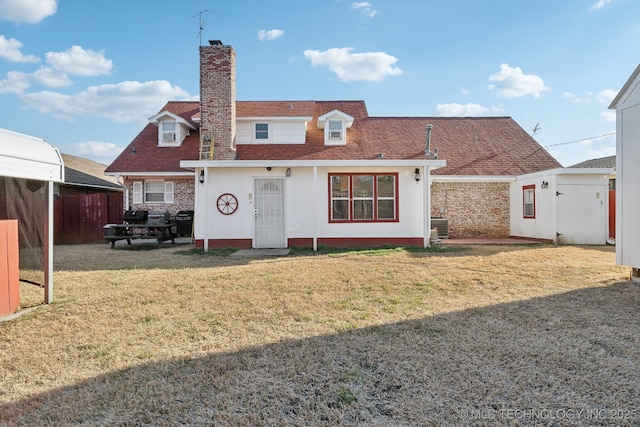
<point>269,213</point>
<point>582,216</point>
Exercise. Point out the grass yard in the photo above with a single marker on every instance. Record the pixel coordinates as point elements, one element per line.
<point>488,335</point>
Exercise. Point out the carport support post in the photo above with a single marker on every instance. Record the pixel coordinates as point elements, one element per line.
<point>48,245</point>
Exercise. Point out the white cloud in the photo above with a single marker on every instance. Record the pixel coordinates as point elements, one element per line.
<point>512,83</point>
<point>461,110</point>
<point>608,116</point>
<point>101,152</point>
<point>598,5</point>
<point>30,11</point>
<point>10,50</point>
<point>50,78</point>
<point>124,102</point>
<point>16,82</point>
<point>465,92</point>
<point>80,62</point>
<point>266,35</point>
<point>370,66</point>
<point>606,95</point>
<point>364,8</point>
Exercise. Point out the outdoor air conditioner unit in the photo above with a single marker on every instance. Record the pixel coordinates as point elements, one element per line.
<point>442,225</point>
<point>168,136</point>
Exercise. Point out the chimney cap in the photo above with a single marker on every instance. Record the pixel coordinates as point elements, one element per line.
<point>215,42</point>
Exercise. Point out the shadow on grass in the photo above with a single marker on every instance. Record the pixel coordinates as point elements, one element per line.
<point>570,358</point>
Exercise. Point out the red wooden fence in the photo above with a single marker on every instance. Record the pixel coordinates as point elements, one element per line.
<point>79,218</point>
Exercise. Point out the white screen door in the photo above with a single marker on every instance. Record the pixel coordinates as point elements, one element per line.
<point>269,213</point>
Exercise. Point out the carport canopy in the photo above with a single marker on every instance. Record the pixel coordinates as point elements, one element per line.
<point>29,167</point>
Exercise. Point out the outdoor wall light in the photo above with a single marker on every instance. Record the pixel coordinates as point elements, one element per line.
<point>417,174</point>
<point>288,172</point>
<point>201,178</point>
<point>269,168</point>
<point>545,184</point>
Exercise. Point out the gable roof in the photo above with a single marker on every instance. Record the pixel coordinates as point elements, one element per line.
<point>602,162</point>
<point>486,146</point>
<point>87,173</point>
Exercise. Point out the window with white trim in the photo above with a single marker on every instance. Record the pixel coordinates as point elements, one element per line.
<point>153,191</point>
<point>363,197</point>
<point>335,132</point>
<point>529,201</point>
<point>336,129</point>
<point>261,131</point>
<point>168,131</point>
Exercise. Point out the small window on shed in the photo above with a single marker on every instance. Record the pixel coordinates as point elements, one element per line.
<point>529,201</point>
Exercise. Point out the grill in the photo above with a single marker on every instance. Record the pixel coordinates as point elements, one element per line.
<point>135,217</point>
<point>158,218</point>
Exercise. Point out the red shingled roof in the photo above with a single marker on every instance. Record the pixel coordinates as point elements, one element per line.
<point>143,153</point>
<point>470,145</point>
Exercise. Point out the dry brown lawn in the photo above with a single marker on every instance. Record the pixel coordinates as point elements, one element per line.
<point>492,335</point>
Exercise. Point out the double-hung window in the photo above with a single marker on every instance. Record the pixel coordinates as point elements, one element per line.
<point>262,131</point>
<point>153,191</point>
<point>168,131</point>
<point>529,201</point>
<point>363,197</point>
<point>335,130</point>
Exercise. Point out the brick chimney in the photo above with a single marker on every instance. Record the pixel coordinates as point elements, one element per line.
<point>218,98</point>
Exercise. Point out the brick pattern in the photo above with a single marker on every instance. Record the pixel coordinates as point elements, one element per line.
<point>218,98</point>
<point>474,209</point>
<point>183,197</point>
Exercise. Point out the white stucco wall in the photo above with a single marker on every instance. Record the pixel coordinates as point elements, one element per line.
<point>306,204</point>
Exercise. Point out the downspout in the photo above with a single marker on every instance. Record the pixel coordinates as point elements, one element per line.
<point>315,209</point>
<point>426,233</point>
<point>556,211</point>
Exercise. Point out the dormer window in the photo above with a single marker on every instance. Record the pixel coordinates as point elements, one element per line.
<point>336,130</point>
<point>168,131</point>
<point>172,129</point>
<point>335,124</point>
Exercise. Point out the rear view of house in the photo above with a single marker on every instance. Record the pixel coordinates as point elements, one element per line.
<point>283,173</point>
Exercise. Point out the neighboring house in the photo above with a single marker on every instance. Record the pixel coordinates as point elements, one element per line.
<point>84,176</point>
<point>608,162</point>
<point>564,206</point>
<point>85,202</point>
<point>627,106</point>
<point>285,173</point>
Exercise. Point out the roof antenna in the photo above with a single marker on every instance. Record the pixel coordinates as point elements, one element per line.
<point>201,27</point>
<point>536,128</point>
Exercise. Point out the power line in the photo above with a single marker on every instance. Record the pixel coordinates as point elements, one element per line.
<point>580,140</point>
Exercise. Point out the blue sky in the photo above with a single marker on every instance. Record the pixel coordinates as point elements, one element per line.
<point>86,75</point>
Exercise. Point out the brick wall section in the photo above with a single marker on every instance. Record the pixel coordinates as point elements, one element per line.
<point>218,98</point>
<point>183,197</point>
<point>474,209</point>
